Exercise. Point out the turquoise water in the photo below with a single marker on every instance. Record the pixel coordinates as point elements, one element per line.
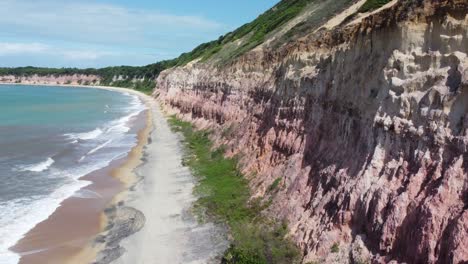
<point>49,138</point>
<point>57,107</point>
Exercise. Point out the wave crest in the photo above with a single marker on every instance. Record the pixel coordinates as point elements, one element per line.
<point>39,167</point>
<point>86,135</point>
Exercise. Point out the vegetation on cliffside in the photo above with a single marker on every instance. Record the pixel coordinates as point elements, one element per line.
<point>250,35</point>
<point>371,5</point>
<point>224,196</point>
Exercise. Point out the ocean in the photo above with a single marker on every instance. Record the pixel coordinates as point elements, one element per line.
<point>49,138</point>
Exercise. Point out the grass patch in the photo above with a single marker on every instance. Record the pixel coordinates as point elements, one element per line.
<point>274,186</point>
<point>322,11</point>
<point>335,248</point>
<point>144,86</point>
<point>371,5</point>
<point>224,193</point>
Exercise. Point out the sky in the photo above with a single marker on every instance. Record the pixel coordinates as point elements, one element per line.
<point>100,33</point>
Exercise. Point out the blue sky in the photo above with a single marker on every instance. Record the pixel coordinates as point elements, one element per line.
<point>98,33</point>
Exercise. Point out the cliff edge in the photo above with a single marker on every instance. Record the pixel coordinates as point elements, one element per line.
<point>359,118</point>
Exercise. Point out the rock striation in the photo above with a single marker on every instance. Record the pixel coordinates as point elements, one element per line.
<point>75,79</point>
<point>365,124</point>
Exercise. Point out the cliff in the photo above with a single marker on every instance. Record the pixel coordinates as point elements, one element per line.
<point>142,84</point>
<point>138,78</point>
<point>68,79</point>
<point>362,119</point>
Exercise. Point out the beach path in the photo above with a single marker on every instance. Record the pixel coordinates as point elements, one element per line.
<point>165,195</point>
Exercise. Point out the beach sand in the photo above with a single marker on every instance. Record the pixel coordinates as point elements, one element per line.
<point>165,196</point>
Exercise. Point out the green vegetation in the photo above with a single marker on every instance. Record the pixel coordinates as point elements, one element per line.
<point>224,194</point>
<point>335,248</point>
<point>274,185</point>
<point>371,5</point>
<point>107,74</point>
<point>145,86</point>
<point>321,11</point>
<point>253,33</point>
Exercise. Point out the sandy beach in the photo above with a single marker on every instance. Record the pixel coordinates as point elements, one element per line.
<point>165,196</point>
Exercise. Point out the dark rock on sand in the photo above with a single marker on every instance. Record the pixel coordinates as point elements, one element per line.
<point>124,221</point>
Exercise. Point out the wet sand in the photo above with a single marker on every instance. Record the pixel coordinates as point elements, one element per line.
<point>68,235</point>
<point>73,225</point>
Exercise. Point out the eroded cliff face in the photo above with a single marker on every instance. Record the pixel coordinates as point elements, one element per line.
<point>75,79</point>
<point>366,125</point>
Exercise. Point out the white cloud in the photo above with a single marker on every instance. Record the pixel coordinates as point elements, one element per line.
<point>84,54</point>
<point>8,48</point>
<point>93,22</point>
<point>86,33</point>
<point>12,49</point>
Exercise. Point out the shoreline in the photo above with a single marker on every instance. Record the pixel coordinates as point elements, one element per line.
<point>111,182</point>
<point>142,95</point>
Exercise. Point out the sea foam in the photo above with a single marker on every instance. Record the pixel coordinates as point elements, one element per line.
<point>86,135</point>
<point>39,167</point>
<point>19,216</point>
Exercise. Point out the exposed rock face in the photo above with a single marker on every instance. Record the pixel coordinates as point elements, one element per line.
<point>125,221</point>
<point>75,79</point>
<point>366,125</point>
